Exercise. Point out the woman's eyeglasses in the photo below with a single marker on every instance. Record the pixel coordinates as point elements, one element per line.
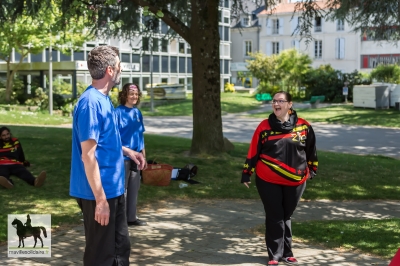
<point>278,101</point>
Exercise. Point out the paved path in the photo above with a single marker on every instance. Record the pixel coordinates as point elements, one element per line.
<point>216,232</point>
<point>330,137</point>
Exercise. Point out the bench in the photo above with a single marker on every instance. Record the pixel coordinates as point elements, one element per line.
<point>315,100</point>
<point>265,97</point>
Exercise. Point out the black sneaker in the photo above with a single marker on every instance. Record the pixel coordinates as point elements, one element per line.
<point>6,183</point>
<point>290,260</point>
<point>137,223</point>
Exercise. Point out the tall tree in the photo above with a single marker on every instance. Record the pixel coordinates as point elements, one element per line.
<point>30,34</point>
<point>196,21</point>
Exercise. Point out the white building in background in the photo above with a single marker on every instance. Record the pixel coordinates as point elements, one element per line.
<point>334,42</point>
<point>172,61</point>
<point>245,40</point>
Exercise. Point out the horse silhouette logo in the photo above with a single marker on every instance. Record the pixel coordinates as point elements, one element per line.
<point>24,231</point>
<point>35,227</point>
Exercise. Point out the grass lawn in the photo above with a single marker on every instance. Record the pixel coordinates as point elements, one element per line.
<point>376,237</point>
<point>341,177</point>
<point>32,118</point>
<point>230,103</point>
<point>347,114</point>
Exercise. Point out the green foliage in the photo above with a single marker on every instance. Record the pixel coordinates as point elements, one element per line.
<point>386,73</point>
<point>229,87</point>
<point>113,94</point>
<point>327,81</point>
<point>264,68</point>
<point>40,99</point>
<point>293,67</point>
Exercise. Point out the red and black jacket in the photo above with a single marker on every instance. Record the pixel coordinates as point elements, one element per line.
<point>285,157</point>
<point>11,152</point>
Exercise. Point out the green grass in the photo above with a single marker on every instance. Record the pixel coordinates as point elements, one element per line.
<point>340,177</point>
<point>347,114</point>
<point>32,118</point>
<point>377,237</point>
<point>230,103</point>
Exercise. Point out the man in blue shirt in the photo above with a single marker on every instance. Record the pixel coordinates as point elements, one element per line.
<point>97,164</point>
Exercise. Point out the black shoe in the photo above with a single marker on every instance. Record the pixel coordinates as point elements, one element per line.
<point>137,223</point>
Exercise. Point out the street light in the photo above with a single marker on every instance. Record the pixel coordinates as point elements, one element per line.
<point>345,91</point>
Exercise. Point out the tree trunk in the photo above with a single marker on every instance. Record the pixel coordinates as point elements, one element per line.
<point>9,82</point>
<point>204,40</point>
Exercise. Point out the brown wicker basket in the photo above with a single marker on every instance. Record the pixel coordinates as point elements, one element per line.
<point>157,174</point>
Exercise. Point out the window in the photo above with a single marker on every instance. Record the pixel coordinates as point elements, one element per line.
<point>226,20</point>
<point>189,65</point>
<point>340,25</point>
<point>39,58</point>
<point>318,49</point>
<point>275,26</point>
<point>226,33</point>
<point>63,57</point>
<point>164,46</point>
<point>164,80</point>
<point>135,58</point>
<point>156,63</point>
<point>296,44</point>
<point>188,49</point>
<point>181,47</point>
<point>78,56</point>
<point>245,22</point>
<point>339,48</point>
<point>155,45</point>
<point>145,44</point>
<point>125,58</point>
<point>275,47</point>
<point>174,63</point>
<point>164,27</point>
<point>318,24</point>
<point>146,63</point>
<point>226,67</point>
<point>164,64</point>
<point>247,48</point>
<point>182,67</point>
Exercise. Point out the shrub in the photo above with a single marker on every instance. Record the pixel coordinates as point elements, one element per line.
<point>229,87</point>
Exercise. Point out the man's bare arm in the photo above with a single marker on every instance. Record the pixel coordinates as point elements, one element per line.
<point>102,211</point>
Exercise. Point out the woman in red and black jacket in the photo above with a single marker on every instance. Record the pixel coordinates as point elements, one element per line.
<point>283,154</point>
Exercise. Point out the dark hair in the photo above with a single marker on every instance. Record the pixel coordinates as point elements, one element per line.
<point>123,94</point>
<point>4,128</point>
<point>100,58</point>
<point>288,96</point>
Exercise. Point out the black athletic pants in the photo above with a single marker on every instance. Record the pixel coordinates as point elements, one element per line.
<point>279,204</point>
<point>19,171</point>
<point>106,245</point>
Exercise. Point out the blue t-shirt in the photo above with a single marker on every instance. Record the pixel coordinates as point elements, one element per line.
<point>95,118</point>
<point>131,128</point>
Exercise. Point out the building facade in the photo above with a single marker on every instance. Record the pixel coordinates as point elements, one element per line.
<point>171,59</point>
<point>334,42</point>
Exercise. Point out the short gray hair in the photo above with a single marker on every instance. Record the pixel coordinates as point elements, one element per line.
<point>100,58</point>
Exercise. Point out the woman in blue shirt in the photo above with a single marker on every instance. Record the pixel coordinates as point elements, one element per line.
<point>131,128</point>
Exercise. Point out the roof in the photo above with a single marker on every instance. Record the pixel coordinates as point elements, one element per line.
<point>290,7</point>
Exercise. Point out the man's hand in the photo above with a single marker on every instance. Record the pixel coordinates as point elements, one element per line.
<point>102,212</point>
<point>135,156</point>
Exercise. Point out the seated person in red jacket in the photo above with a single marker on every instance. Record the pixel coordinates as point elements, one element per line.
<point>12,162</point>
